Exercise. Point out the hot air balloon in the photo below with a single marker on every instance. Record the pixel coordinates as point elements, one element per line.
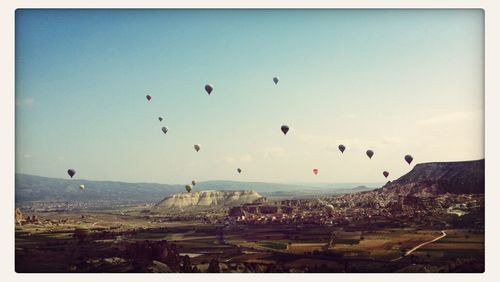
<point>164,129</point>
<point>193,182</point>
<point>209,88</point>
<point>188,188</point>
<point>369,153</point>
<point>276,79</point>
<point>341,148</point>
<point>284,129</point>
<point>329,209</point>
<point>197,147</point>
<point>385,173</point>
<point>160,118</point>
<point>239,170</point>
<point>71,172</point>
<point>408,159</point>
<point>315,171</point>
<point>82,186</point>
<point>148,97</point>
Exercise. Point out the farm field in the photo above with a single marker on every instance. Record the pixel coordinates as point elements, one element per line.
<point>107,238</point>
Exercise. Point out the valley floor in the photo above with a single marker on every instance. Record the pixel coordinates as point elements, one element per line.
<point>120,242</point>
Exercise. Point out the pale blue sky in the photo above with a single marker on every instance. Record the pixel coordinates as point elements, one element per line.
<point>395,81</point>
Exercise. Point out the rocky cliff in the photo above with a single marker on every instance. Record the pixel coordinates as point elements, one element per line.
<point>206,199</point>
<point>425,180</point>
<point>440,178</point>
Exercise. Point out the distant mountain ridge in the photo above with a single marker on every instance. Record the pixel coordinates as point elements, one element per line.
<point>31,188</point>
<point>230,184</point>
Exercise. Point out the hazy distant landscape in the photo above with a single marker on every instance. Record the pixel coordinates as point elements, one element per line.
<point>30,188</point>
<point>429,220</point>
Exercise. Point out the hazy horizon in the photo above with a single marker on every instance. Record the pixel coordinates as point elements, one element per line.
<point>395,81</point>
<point>77,180</point>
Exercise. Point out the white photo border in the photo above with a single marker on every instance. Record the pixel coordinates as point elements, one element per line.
<point>492,151</point>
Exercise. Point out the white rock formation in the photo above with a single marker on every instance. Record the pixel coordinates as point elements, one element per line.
<point>206,199</point>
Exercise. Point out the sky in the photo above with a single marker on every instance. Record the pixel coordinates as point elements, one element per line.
<point>394,81</point>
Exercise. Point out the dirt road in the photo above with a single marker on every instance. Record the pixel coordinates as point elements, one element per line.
<point>421,245</point>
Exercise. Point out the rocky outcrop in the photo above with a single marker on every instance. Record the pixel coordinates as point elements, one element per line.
<point>206,199</point>
<point>426,180</point>
<point>19,216</point>
<point>430,179</point>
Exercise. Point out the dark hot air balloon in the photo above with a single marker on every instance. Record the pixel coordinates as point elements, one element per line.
<point>197,147</point>
<point>71,172</point>
<point>188,188</point>
<point>164,129</point>
<point>193,182</point>
<point>148,97</point>
<point>315,171</point>
<point>408,159</point>
<point>239,170</point>
<point>369,153</point>
<point>276,79</point>
<point>209,88</point>
<point>284,129</point>
<point>385,173</point>
<point>341,148</point>
<point>160,118</point>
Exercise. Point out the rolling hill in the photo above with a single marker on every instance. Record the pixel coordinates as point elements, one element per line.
<point>31,188</point>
